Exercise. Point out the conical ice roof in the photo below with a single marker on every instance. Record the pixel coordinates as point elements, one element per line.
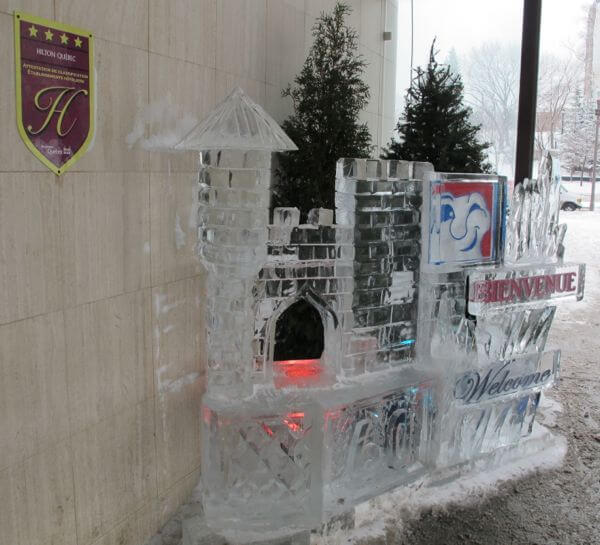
<point>237,123</point>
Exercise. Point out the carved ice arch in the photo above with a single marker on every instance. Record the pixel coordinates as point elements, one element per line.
<point>332,332</point>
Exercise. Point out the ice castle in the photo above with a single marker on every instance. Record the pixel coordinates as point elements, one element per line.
<point>435,299</point>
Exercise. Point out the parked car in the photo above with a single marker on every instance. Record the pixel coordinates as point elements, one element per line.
<point>569,200</point>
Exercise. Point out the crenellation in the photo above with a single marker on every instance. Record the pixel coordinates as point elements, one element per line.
<point>320,216</point>
<point>286,216</point>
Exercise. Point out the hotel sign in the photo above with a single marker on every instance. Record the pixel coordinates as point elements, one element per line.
<point>55,90</point>
<point>497,289</point>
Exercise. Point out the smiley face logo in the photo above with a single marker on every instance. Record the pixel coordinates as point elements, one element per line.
<point>463,223</point>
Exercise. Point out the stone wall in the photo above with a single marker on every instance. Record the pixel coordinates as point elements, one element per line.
<point>101,295</point>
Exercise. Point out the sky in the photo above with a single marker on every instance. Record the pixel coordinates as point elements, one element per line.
<point>464,24</point>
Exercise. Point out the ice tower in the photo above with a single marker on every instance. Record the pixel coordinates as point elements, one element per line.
<point>433,304</point>
<point>235,143</point>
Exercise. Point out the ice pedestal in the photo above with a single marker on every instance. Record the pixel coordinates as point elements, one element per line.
<point>260,464</point>
<point>293,459</point>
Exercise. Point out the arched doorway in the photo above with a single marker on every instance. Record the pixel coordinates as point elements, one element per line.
<point>304,345</point>
<point>299,333</point>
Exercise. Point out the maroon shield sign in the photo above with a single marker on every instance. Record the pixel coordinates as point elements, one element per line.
<point>55,90</point>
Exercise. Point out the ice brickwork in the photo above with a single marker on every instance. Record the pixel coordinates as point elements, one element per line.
<point>380,201</point>
<point>320,216</point>
<point>311,263</point>
<point>235,144</point>
<point>274,431</point>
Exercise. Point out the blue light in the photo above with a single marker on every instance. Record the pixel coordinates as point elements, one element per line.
<point>409,341</point>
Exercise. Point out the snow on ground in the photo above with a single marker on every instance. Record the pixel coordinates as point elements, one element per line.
<point>582,244</point>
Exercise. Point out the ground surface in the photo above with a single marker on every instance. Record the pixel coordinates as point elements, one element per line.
<point>558,507</point>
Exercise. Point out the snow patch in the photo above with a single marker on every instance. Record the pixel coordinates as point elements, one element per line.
<point>548,411</point>
<point>164,124</point>
<point>160,306</point>
<point>175,385</point>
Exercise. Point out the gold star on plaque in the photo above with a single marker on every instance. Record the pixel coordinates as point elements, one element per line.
<point>32,32</point>
<point>64,39</point>
<point>49,35</point>
<point>78,42</point>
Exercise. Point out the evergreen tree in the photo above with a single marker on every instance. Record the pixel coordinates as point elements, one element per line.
<point>435,126</point>
<point>577,140</point>
<point>327,96</point>
<point>452,61</point>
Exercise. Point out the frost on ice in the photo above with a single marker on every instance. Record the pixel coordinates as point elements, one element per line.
<point>434,304</point>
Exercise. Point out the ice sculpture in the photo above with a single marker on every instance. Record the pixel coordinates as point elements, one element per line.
<point>485,327</point>
<point>433,339</point>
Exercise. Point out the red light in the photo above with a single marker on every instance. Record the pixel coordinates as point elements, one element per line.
<point>300,368</point>
<point>268,430</point>
<point>294,421</point>
<point>299,373</point>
